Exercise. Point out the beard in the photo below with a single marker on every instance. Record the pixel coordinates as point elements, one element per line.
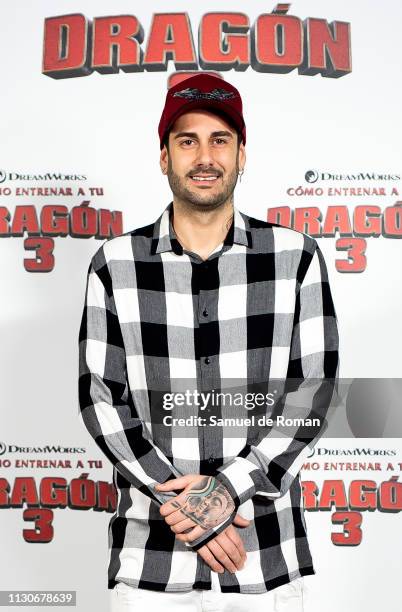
<point>202,202</point>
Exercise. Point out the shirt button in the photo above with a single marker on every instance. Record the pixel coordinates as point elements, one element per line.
<point>207,360</point>
<point>205,312</point>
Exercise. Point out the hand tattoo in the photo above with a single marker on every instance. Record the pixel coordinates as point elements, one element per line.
<point>208,503</point>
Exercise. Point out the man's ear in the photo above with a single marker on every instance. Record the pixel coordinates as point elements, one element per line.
<point>242,156</point>
<point>164,159</point>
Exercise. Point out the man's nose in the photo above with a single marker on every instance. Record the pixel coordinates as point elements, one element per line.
<point>204,154</point>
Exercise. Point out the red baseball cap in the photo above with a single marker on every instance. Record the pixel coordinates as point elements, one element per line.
<point>202,91</point>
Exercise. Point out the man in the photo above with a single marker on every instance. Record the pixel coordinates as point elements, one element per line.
<point>205,520</point>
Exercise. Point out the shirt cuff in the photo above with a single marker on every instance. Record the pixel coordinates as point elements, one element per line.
<point>236,476</point>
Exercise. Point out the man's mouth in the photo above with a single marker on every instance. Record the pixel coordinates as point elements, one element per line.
<point>204,177</point>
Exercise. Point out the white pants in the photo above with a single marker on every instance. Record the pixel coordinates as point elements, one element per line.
<point>286,598</point>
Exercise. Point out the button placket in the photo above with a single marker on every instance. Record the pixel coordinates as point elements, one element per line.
<point>203,304</point>
<point>207,307</point>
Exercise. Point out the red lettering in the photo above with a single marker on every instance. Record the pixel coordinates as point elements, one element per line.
<point>309,492</point>
<point>337,219</point>
<point>54,220</point>
<point>281,215</point>
<point>224,41</point>
<point>333,492</point>
<point>364,225</point>
<point>43,531</point>
<point>277,43</point>
<point>327,48</point>
<point>25,219</point>
<point>170,38</point>
<point>106,496</point>
<point>24,490</point>
<point>352,534</point>
<point>4,220</point>
<point>116,44</point>
<point>44,258</point>
<point>53,492</point>
<point>65,51</point>
<point>357,260</point>
<point>393,221</point>
<point>308,220</point>
<point>110,223</point>
<point>363,495</point>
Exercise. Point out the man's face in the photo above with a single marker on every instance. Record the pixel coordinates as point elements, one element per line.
<point>203,160</point>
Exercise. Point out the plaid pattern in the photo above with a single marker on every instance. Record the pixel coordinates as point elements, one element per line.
<point>258,308</point>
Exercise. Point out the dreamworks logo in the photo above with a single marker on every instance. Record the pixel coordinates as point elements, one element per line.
<point>352,452</point>
<point>311,176</point>
<point>45,176</point>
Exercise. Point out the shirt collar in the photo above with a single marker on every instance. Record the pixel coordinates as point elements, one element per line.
<point>164,237</point>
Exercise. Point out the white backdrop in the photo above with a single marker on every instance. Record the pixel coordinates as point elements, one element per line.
<point>105,128</point>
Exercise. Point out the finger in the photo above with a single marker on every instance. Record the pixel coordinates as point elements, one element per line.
<point>220,554</point>
<point>175,483</point>
<point>191,535</point>
<point>232,533</point>
<point>241,521</point>
<point>182,526</point>
<point>209,558</point>
<point>173,505</point>
<point>177,517</point>
<point>230,549</point>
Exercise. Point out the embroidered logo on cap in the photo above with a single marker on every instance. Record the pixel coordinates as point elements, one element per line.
<point>196,94</point>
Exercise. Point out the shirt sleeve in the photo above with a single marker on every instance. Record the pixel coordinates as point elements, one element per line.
<point>106,404</point>
<point>269,466</point>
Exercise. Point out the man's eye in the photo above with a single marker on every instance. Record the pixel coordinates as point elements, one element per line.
<point>190,141</point>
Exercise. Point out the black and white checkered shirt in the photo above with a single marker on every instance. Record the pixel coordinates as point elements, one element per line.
<point>258,308</point>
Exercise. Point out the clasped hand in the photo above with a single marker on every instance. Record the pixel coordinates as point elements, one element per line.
<point>204,503</point>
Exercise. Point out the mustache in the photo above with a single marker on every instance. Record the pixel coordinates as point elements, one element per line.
<point>208,171</point>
